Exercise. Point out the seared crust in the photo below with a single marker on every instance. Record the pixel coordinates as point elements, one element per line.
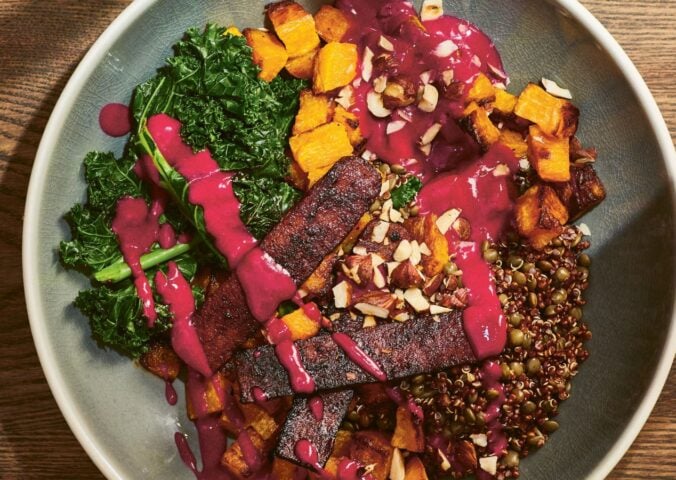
<point>316,225</point>
<point>301,423</point>
<point>420,345</point>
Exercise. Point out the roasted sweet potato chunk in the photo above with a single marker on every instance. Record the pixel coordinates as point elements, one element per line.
<point>351,123</point>
<point>300,325</point>
<point>318,150</point>
<point>515,142</point>
<point>294,26</point>
<point>482,90</point>
<point>335,67</point>
<point>234,459</point>
<point>583,192</point>
<point>481,128</point>
<point>550,156</point>
<point>415,469</point>
<point>331,23</point>
<point>372,448</point>
<point>424,230</point>
<point>211,398</point>
<point>320,282</point>
<point>555,116</point>
<point>162,361</point>
<point>314,110</point>
<point>302,66</point>
<point>341,449</point>
<point>504,101</point>
<point>268,53</point>
<point>540,215</point>
<point>283,469</point>
<point>408,434</point>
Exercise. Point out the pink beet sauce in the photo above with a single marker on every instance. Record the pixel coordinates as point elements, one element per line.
<point>115,119</point>
<point>316,405</point>
<point>170,393</point>
<point>136,226</point>
<point>490,379</point>
<point>177,294</point>
<point>289,356</point>
<point>213,442</point>
<point>358,356</point>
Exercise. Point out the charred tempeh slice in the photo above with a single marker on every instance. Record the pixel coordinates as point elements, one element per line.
<point>306,234</point>
<point>423,344</point>
<point>316,225</point>
<point>302,424</point>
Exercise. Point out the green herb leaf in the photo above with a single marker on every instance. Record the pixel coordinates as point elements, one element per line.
<point>406,192</point>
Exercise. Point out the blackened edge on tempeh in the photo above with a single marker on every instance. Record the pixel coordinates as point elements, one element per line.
<point>423,344</point>
<point>302,424</point>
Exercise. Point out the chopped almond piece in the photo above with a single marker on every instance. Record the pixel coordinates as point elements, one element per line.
<point>316,151</point>
<point>302,66</point>
<point>515,142</point>
<point>314,110</point>
<point>550,156</point>
<point>294,26</point>
<point>331,24</point>
<point>482,90</point>
<point>540,215</point>
<point>555,116</point>
<point>268,53</point>
<point>300,325</point>
<point>351,123</point>
<point>504,101</point>
<point>408,434</point>
<point>335,67</point>
<point>482,129</point>
<point>415,469</point>
<point>373,448</point>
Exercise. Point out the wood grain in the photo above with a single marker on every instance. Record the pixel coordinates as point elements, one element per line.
<point>41,43</point>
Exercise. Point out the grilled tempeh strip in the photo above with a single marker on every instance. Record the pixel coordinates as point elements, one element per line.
<point>306,234</point>
<point>424,344</point>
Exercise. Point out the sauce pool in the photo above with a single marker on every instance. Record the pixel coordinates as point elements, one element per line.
<point>115,119</point>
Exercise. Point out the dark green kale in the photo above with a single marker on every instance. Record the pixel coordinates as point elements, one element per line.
<point>211,86</point>
<point>406,192</point>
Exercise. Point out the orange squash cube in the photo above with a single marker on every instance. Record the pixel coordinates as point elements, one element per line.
<point>301,327</point>
<point>316,151</point>
<point>319,282</point>
<point>482,129</point>
<point>314,110</point>
<point>515,142</point>
<point>408,434</point>
<point>351,123</point>
<point>504,101</point>
<point>331,23</point>
<point>555,116</point>
<point>212,399</point>
<point>303,66</point>
<point>550,156</point>
<point>373,448</point>
<point>161,361</point>
<point>268,53</point>
<point>540,215</point>
<point>415,469</point>
<point>294,26</point>
<point>335,66</point>
<point>482,90</point>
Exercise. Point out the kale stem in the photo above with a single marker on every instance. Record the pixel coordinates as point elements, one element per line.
<point>120,270</point>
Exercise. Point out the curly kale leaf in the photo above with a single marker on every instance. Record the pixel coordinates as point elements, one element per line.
<point>406,192</point>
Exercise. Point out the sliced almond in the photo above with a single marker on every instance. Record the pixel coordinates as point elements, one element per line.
<point>553,88</point>
<point>445,49</point>
<point>374,101</point>
<point>524,165</point>
<point>426,149</point>
<point>431,10</point>
<point>426,76</point>
<point>403,251</point>
<point>446,219</point>
<point>378,278</point>
<point>345,97</point>
<point>369,321</point>
<point>379,232</point>
<point>367,64</point>
<point>501,170</point>
<point>498,72</point>
<point>489,464</point>
<point>368,309</point>
<point>479,439</point>
<point>438,309</point>
<point>391,267</point>
<point>396,216</point>
<point>445,464</point>
<point>476,61</point>
<point>430,98</point>
<point>397,469</point>
<point>447,76</point>
<point>424,249</point>
<point>430,134</point>
<point>342,294</point>
<point>385,44</point>
<point>415,298</point>
<point>359,250</point>
<point>385,213</point>
<point>584,229</point>
<point>376,260</point>
<point>394,126</point>
<point>401,317</point>
<point>379,84</point>
<point>415,253</point>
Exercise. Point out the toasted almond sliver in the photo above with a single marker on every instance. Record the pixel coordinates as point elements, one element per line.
<point>379,232</point>
<point>342,294</point>
<point>446,219</point>
<point>445,464</point>
<point>489,464</point>
<point>367,64</point>
<point>394,126</point>
<point>447,76</point>
<point>479,439</point>
<point>445,49</point>
<point>368,309</point>
<point>438,309</point>
<point>396,216</point>
<point>430,98</point>
<point>431,10</point>
<point>424,249</point>
<point>369,321</point>
<point>397,469</point>
<point>415,253</point>
<point>403,251</point>
<point>345,97</point>
<point>415,298</point>
<point>385,44</point>
<point>378,278</point>
<point>379,84</point>
<point>553,88</point>
<point>401,317</point>
<point>430,134</point>
<point>374,102</point>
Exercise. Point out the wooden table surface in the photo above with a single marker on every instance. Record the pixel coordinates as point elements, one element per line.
<point>41,42</point>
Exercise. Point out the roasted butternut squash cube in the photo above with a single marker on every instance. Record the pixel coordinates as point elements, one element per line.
<point>515,142</point>
<point>331,24</point>
<point>162,361</point>
<point>540,215</point>
<point>481,128</point>
<point>504,101</point>
<point>234,460</point>
<point>297,177</point>
<point>319,282</point>
<point>211,398</point>
<point>341,449</point>
<point>233,30</point>
<point>335,66</point>
<point>349,241</point>
<point>351,123</point>
<point>316,151</point>
<point>283,469</point>
<point>415,469</point>
<point>268,53</point>
<point>294,26</point>
<point>314,110</point>
<point>373,448</point>
<point>583,192</point>
<point>482,90</point>
<point>303,66</point>
<point>300,325</point>
<point>424,229</point>
<point>550,156</point>
<point>408,434</point>
<point>555,116</point>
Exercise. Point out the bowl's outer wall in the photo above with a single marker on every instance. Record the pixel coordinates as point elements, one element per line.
<point>632,288</point>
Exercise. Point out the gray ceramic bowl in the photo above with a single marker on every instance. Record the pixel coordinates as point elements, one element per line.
<point>117,411</point>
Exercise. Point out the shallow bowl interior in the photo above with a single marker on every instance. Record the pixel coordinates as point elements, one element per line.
<point>118,411</point>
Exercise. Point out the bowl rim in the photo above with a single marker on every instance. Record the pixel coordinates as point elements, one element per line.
<point>62,109</point>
